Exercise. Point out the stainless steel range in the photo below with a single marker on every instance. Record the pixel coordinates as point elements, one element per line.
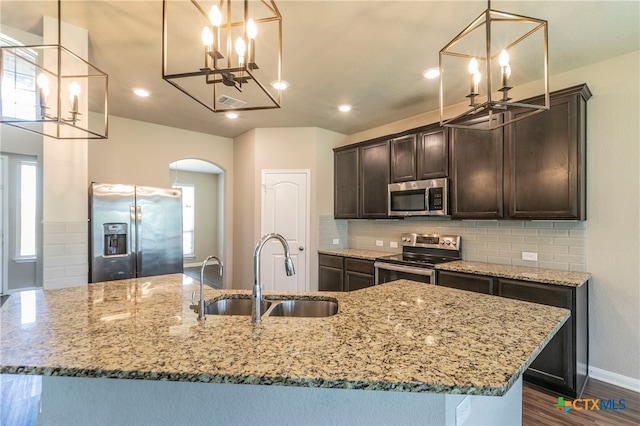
<point>420,253</point>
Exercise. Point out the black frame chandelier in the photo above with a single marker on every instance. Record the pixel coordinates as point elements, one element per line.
<point>65,88</point>
<point>224,54</point>
<point>484,63</point>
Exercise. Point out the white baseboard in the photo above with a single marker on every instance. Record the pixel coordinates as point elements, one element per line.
<point>614,379</point>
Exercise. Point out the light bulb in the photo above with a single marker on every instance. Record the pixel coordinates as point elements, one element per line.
<point>240,47</point>
<point>207,36</point>
<point>503,58</point>
<point>507,71</point>
<point>476,78</point>
<point>252,29</point>
<point>473,66</point>
<point>74,90</point>
<point>215,17</point>
<point>43,84</point>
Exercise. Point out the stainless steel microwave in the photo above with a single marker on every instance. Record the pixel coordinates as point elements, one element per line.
<point>419,198</point>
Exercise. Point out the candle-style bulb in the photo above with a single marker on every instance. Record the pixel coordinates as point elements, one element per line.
<point>74,91</point>
<point>473,66</point>
<point>476,79</point>
<point>215,17</point>
<point>503,59</point>
<point>43,84</point>
<point>241,48</point>
<point>252,29</point>
<point>207,36</point>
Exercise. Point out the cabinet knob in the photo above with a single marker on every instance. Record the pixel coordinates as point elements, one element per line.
<point>301,248</point>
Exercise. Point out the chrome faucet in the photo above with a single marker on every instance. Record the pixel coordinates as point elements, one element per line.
<point>201,315</point>
<point>256,299</point>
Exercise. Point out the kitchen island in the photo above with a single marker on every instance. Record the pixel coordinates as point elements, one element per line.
<point>402,352</point>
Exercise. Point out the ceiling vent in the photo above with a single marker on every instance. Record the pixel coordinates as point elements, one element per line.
<point>230,102</point>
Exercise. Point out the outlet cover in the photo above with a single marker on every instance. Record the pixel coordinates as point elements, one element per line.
<point>379,243</point>
<point>527,255</point>
<point>336,241</point>
<point>393,244</point>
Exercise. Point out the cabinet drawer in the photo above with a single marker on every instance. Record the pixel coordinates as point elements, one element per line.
<point>329,260</point>
<point>469,282</point>
<point>551,295</point>
<point>359,265</point>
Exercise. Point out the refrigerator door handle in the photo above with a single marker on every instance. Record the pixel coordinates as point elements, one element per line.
<point>133,243</point>
<point>138,243</point>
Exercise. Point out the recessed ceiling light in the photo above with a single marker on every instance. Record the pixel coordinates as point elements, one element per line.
<point>279,85</point>
<point>232,115</point>
<point>432,73</point>
<point>141,92</point>
<point>345,108</point>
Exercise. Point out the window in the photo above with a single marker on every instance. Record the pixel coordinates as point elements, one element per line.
<point>18,81</point>
<point>27,210</point>
<point>188,219</point>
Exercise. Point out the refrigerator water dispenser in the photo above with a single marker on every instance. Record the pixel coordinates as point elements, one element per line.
<point>115,239</point>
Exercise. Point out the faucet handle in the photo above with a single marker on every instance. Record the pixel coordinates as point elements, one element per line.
<point>193,297</point>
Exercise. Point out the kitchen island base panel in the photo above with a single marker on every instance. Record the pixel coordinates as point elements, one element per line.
<point>82,401</point>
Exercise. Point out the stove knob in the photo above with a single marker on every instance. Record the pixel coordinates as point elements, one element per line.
<point>453,243</point>
<point>448,242</point>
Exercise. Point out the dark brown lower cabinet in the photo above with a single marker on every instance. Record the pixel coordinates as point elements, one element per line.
<point>338,273</point>
<point>563,364</point>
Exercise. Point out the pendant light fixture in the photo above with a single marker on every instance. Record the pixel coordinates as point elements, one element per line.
<point>490,59</point>
<point>220,53</point>
<point>49,90</point>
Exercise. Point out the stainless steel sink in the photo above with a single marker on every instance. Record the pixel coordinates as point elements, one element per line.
<point>232,307</point>
<point>304,308</point>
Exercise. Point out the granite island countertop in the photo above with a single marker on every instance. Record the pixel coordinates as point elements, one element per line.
<point>516,272</point>
<point>399,336</point>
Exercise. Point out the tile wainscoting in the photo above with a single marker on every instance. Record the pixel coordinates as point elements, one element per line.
<point>65,254</point>
<point>559,244</point>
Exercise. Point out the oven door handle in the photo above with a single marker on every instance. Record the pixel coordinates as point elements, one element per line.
<point>399,268</point>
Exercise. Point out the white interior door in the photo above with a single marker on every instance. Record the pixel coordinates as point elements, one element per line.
<point>285,210</point>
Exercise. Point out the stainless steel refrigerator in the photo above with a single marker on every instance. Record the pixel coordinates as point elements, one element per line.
<point>134,231</point>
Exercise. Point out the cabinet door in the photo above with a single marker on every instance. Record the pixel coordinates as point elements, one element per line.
<point>403,159</point>
<point>358,273</point>
<point>554,365</point>
<point>330,272</point>
<point>476,187</point>
<point>545,162</point>
<point>345,190</point>
<point>469,282</point>
<point>433,154</point>
<point>374,180</point>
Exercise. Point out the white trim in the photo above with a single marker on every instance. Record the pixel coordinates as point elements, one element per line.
<point>192,265</point>
<point>4,238</point>
<point>615,379</point>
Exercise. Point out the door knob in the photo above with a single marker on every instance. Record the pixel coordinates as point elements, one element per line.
<point>301,248</point>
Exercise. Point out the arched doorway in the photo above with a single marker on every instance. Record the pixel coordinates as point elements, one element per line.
<point>202,184</point>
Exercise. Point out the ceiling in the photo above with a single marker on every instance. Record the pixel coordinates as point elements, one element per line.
<point>370,54</point>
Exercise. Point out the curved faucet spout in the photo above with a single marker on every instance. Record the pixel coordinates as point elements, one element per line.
<point>201,315</point>
<point>257,287</point>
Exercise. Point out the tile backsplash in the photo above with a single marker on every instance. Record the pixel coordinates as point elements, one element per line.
<point>558,244</point>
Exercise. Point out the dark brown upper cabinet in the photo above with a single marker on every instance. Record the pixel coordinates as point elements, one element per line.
<point>361,177</point>
<point>433,153</point>
<point>403,159</point>
<point>545,160</point>
<point>531,169</point>
<point>374,180</point>
<point>476,173</point>
<point>346,168</point>
<point>419,156</point>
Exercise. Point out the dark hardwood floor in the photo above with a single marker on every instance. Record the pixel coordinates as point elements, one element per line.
<point>20,396</point>
<point>212,276</point>
<point>538,407</point>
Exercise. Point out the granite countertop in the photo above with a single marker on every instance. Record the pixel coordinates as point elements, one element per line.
<point>355,253</point>
<point>399,336</point>
<point>525,273</point>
